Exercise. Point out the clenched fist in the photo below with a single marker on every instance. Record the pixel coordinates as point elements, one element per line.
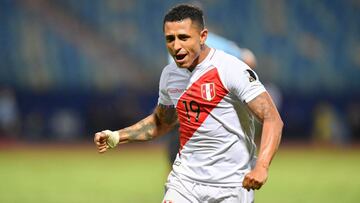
<point>106,139</point>
<point>255,178</point>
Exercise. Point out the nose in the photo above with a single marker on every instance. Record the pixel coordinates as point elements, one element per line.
<point>177,44</point>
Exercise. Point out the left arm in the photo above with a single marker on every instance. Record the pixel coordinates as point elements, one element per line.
<point>264,109</point>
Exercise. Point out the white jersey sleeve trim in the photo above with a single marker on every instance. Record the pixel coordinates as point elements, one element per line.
<point>254,94</point>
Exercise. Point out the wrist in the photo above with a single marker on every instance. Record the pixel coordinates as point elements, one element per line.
<point>113,139</point>
<point>262,165</point>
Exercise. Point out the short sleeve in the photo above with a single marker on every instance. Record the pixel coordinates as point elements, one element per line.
<point>243,81</point>
<point>164,98</point>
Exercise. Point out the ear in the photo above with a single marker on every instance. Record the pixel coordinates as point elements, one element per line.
<point>203,36</point>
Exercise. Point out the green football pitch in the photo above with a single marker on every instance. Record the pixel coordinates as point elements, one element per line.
<point>47,173</point>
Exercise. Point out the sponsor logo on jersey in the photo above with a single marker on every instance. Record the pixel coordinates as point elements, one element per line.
<point>168,201</point>
<point>208,91</point>
<point>175,90</point>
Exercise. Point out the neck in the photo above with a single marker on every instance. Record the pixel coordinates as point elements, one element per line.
<point>205,50</point>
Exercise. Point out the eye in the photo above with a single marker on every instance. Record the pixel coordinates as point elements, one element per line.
<point>170,38</point>
<point>184,37</point>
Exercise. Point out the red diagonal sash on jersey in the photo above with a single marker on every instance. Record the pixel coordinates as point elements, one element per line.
<point>197,102</point>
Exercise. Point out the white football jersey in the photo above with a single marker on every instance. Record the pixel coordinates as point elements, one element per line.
<point>216,129</point>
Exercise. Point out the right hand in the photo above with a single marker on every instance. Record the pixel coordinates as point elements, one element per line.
<point>255,178</point>
<point>101,140</point>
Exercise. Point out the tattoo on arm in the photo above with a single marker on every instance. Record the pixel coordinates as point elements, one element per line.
<point>161,121</point>
<point>144,131</point>
<point>166,115</point>
<point>265,110</point>
<point>262,107</point>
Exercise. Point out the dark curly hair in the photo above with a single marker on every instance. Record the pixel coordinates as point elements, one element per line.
<point>184,11</point>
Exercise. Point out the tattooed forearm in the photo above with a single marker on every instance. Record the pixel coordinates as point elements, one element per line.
<point>141,131</point>
<point>161,121</point>
<point>146,130</point>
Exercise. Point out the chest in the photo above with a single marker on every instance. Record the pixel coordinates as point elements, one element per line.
<point>197,93</point>
<point>200,87</point>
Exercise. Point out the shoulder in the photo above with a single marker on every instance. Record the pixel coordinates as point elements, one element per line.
<point>171,67</point>
<point>171,73</point>
<point>234,73</point>
<point>227,62</point>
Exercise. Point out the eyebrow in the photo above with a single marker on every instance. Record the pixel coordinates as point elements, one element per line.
<point>179,35</point>
<point>183,35</point>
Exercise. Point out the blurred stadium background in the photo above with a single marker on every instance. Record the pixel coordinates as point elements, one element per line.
<point>69,68</point>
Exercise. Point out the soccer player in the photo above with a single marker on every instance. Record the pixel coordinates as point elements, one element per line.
<point>214,97</point>
<point>218,42</point>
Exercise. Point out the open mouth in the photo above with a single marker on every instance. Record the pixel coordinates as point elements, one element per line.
<point>180,57</point>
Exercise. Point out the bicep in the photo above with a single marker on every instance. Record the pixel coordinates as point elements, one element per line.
<point>165,115</point>
<point>263,107</point>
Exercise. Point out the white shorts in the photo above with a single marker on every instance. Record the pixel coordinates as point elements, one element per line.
<point>184,191</point>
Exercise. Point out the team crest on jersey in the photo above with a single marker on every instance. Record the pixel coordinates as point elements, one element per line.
<point>168,201</point>
<point>208,91</point>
